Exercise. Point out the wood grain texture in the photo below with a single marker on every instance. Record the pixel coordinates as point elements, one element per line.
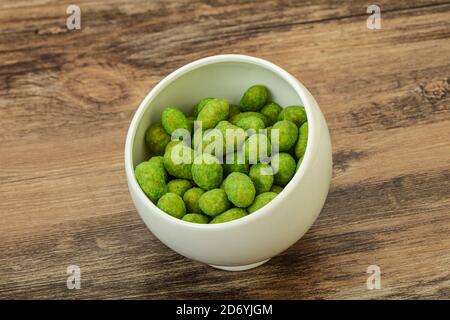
<point>67,97</point>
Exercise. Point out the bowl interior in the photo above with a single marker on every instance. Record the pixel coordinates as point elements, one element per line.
<point>227,79</point>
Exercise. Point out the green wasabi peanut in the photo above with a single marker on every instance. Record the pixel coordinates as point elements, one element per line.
<point>257,148</point>
<point>212,143</point>
<point>235,119</point>
<point>171,145</point>
<point>228,135</point>
<point>276,189</point>
<point>173,119</point>
<point>233,136</point>
<point>262,177</point>
<point>157,139</point>
<point>251,122</point>
<point>213,112</point>
<point>283,165</point>
<point>254,98</point>
<point>299,163</point>
<point>152,179</point>
<point>191,198</point>
<point>271,111</point>
<point>179,186</point>
<point>207,171</point>
<point>172,204</point>
<point>240,189</point>
<point>178,160</point>
<point>261,200</point>
<point>296,114</point>
<point>159,161</point>
<point>235,162</point>
<point>300,147</point>
<point>287,134</point>
<point>199,106</point>
<point>229,215</point>
<point>196,218</point>
<point>234,110</point>
<point>214,202</point>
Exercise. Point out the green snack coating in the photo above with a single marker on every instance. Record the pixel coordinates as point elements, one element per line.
<point>171,144</point>
<point>254,98</point>
<point>214,202</point>
<point>262,177</point>
<point>271,111</point>
<point>159,161</point>
<point>276,189</point>
<point>213,112</point>
<point>234,110</point>
<point>287,134</point>
<point>172,204</point>
<point>261,200</point>
<point>238,163</point>
<point>173,119</point>
<point>232,137</point>
<point>302,141</point>
<point>212,142</point>
<point>178,160</point>
<point>251,122</point>
<point>207,171</point>
<point>199,106</point>
<point>152,179</point>
<point>230,215</point>
<point>191,198</point>
<point>156,139</point>
<point>179,186</point>
<point>257,148</point>
<point>296,114</point>
<point>240,189</point>
<point>283,165</point>
<point>235,119</point>
<point>196,218</point>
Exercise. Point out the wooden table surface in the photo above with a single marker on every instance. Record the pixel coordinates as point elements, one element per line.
<point>67,98</point>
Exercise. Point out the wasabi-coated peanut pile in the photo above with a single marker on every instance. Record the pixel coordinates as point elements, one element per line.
<point>239,158</point>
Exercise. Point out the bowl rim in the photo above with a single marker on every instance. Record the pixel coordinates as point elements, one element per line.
<point>311,147</point>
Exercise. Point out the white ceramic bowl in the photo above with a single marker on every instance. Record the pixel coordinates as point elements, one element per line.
<point>250,241</point>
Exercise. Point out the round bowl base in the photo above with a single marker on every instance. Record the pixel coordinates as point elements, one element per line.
<point>240,268</point>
